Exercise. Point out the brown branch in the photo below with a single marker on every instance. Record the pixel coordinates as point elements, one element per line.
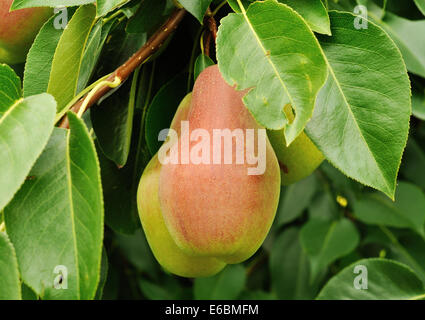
<point>211,32</point>
<point>123,72</point>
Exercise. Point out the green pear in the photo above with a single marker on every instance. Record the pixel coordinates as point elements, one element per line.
<point>298,160</point>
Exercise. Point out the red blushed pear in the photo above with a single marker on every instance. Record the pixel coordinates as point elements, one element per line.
<point>18,30</point>
<point>163,246</point>
<point>214,210</point>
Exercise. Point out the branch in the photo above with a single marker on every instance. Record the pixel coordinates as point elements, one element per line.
<point>123,72</point>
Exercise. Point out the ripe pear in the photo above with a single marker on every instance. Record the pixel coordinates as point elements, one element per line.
<point>18,30</point>
<point>219,211</point>
<point>165,250</point>
<point>300,159</point>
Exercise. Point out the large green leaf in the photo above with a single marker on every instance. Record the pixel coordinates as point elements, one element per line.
<point>361,118</point>
<point>290,268</point>
<point>386,280</point>
<point>418,104</point>
<point>103,7</point>
<point>413,167</point>
<point>325,241</point>
<point>314,12</point>
<point>56,219</point>
<point>113,122</point>
<point>226,285</point>
<point>40,57</point>
<point>68,57</point>
<point>10,285</point>
<point>21,4</point>
<point>271,49</point>
<point>162,109</point>
<point>91,54</point>
<point>25,127</point>
<point>407,34</point>
<point>408,210</point>
<point>295,199</point>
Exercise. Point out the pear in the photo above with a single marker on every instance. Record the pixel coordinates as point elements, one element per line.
<point>218,209</point>
<point>165,250</point>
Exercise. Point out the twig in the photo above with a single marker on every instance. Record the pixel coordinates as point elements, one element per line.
<point>124,71</point>
<point>211,31</point>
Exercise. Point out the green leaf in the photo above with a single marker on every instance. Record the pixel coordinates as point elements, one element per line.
<point>386,280</point>
<point>119,194</point>
<point>290,268</point>
<point>162,109</point>
<point>408,210</point>
<point>91,54</point>
<point>407,34</point>
<point>325,241</point>
<point>201,63</point>
<point>281,62</point>
<point>367,85</point>
<point>314,12</point>
<point>68,57</point>
<point>235,6</point>
<point>413,167</point>
<point>323,206</point>
<point>196,8</point>
<point>138,253</point>
<point>113,122</point>
<point>21,4</point>
<point>10,285</point>
<point>168,289</point>
<point>27,293</point>
<point>295,199</point>
<point>40,57</point>
<point>226,285</point>
<point>25,127</point>
<point>421,5</point>
<point>410,249</point>
<point>10,88</point>
<point>150,15</point>
<point>56,219</point>
<point>103,7</point>
<point>418,104</point>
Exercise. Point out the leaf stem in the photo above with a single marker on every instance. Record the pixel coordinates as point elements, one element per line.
<point>192,58</point>
<point>217,9</point>
<point>78,97</point>
<point>110,84</point>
